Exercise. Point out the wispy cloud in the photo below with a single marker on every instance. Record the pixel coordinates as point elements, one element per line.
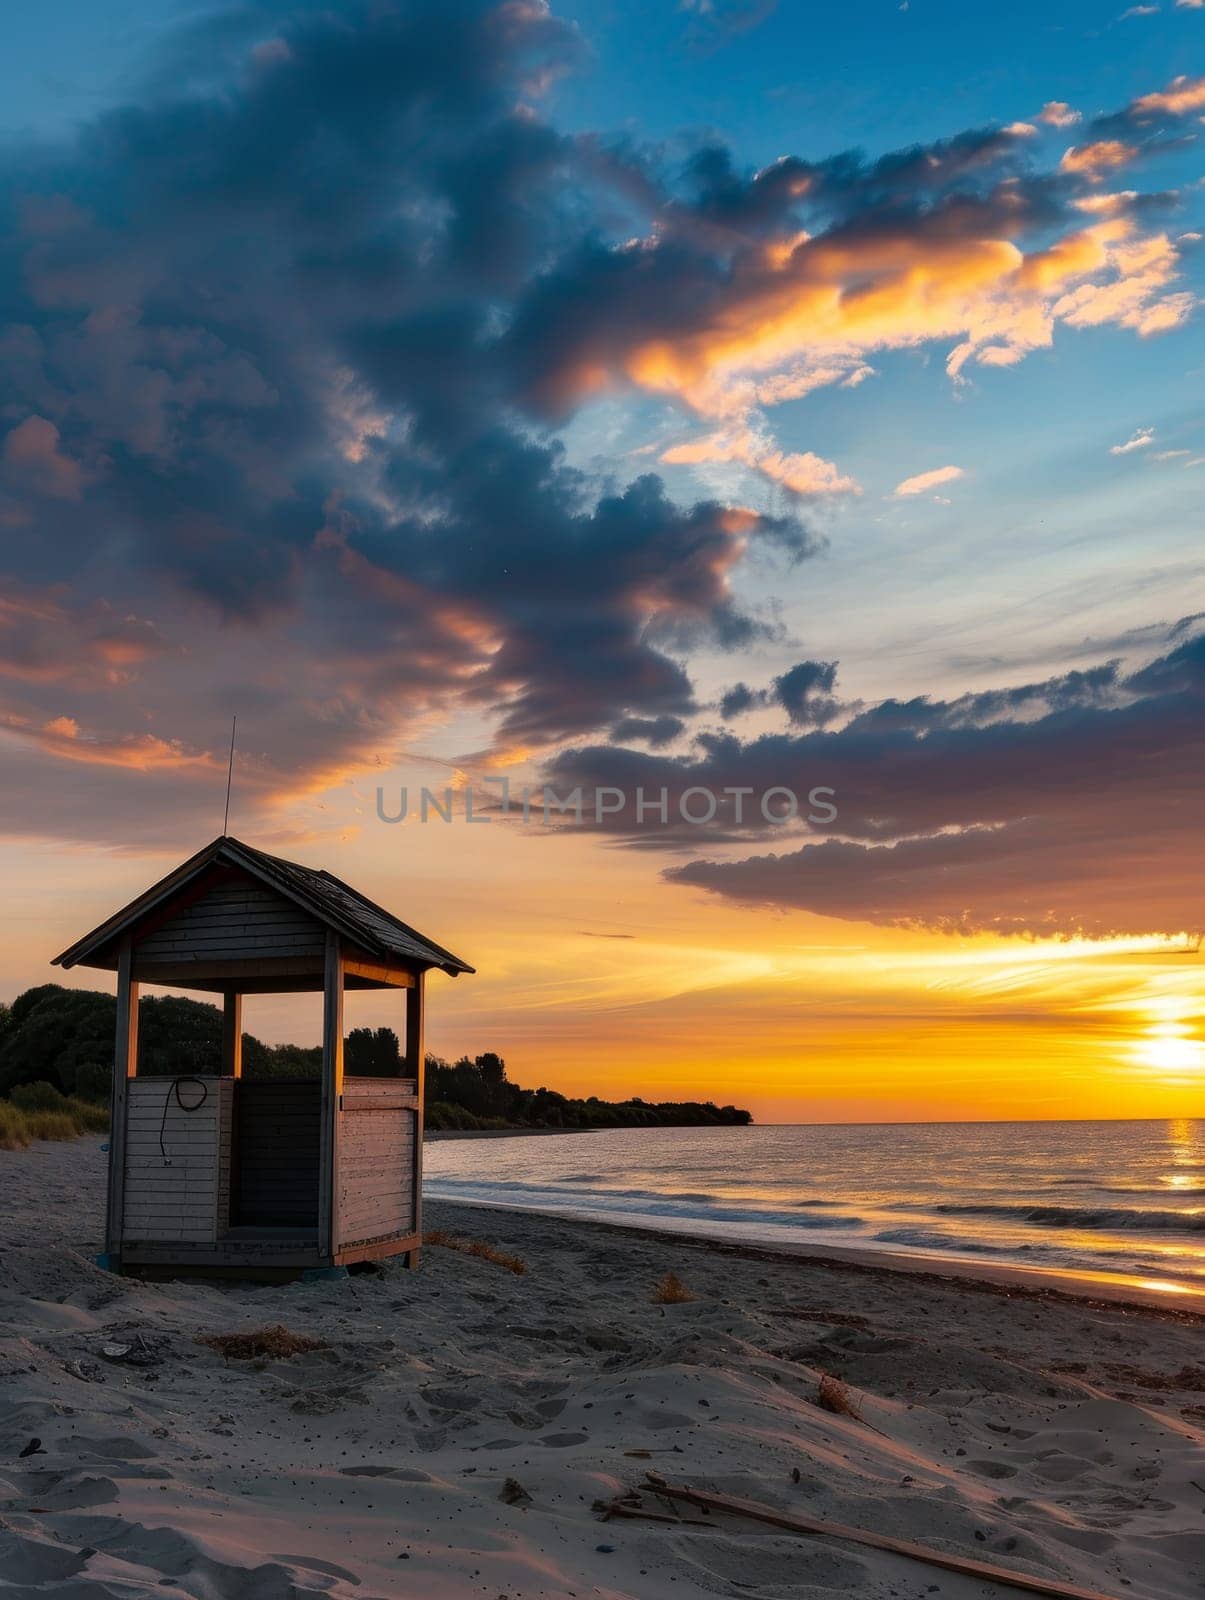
<point>808,475</point>
<point>924,481</point>
<point>1142,439</point>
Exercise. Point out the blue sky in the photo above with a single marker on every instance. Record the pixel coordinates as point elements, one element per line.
<point>810,78</point>
<point>806,78</point>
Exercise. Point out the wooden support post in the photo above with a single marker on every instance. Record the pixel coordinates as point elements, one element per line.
<point>416,1068</point>
<point>125,1067</point>
<point>232,1068</point>
<point>332,1093</point>
<point>232,1034</point>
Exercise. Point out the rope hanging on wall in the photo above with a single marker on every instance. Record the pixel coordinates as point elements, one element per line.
<point>174,1094</point>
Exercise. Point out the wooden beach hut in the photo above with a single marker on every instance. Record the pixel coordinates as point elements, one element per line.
<point>214,1171</point>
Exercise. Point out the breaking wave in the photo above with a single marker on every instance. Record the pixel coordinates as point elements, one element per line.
<point>1097,1218</point>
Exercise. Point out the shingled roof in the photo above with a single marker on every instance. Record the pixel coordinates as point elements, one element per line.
<point>329,899</point>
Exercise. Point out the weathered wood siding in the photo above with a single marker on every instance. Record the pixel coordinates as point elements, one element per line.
<point>180,1199</point>
<point>378,1125</point>
<point>237,921</point>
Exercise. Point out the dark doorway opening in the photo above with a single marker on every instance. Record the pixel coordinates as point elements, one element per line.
<point>277,1130</point>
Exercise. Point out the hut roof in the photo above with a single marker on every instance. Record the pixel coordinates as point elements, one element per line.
<point>329,899</point>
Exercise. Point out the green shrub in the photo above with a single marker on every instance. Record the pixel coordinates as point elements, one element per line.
<point>37,1097</point>
<point>94,1082</point>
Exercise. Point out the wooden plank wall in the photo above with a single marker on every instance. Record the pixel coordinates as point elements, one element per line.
<point>376,1161</point>
<point>234,922</point>
<point>179,1200</point>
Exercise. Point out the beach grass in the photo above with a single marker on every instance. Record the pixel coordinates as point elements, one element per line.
<point>50,1125</point>
<point>33,1113</point>
<point>14,1130</point>
<point>478,1248</point>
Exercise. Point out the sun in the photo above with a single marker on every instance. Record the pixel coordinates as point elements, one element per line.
<point>1169,1049</point>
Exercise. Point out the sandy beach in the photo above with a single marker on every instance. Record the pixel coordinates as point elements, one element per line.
<point>454,1434</point>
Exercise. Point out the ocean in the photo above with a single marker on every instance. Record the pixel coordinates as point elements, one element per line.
<point>1122,1200</point>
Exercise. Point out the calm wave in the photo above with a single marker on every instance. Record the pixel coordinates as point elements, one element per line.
<point>1125,1198</point>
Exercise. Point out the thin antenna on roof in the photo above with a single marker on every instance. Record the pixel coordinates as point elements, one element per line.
<point>229,778</point>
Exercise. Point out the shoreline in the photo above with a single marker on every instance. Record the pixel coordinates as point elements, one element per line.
<point>435,1134</point>
<point>1183,1304</point>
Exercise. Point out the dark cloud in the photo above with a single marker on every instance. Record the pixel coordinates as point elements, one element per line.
<point>1061,807</point>
<point>846,186</point>
<point>804,692</point>
<point>1093,686</point>
<point>254,405</point>
<point>738,700</point>
<point>654,731</point>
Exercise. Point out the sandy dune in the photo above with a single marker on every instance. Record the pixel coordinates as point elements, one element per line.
<point>1051,1436</point>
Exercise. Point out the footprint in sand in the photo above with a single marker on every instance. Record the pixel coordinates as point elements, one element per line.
<point>1061,1469</point>
<point>312,1564</point>
<point>113,1448</point>
<point>30,1561</point>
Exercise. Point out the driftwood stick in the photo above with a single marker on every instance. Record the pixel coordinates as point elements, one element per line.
<point>966,1565</point>
<point>638,1513</point>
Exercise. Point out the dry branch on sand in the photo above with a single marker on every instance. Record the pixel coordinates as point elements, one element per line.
<point>477,1248</point>
<point>670,1291</point>
<point>949,1561</point>
<point>261,1343</point>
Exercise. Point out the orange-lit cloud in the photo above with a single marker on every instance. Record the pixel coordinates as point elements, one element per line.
<point>924,481</point>
<point>1058,114</point>
<point>804,473</point>
<point>777,330</point>
<point>141,752</point>
<point>1182,96</point>
<point>1134,297</point>
<point>44,638</point>
<point>1101,156</point>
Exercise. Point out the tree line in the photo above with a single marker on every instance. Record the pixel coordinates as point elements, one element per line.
<point>64,1037</point>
